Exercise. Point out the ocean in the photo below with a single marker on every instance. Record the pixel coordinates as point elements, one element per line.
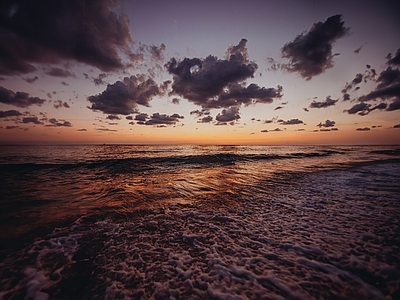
<point>199,222</point>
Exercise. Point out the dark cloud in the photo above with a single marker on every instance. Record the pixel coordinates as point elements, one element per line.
<point>82,129</point>
<point>363,129</point>
<point>32,119</point>
<point>10,113</point>
<point>310,53</point>
<point>19,99</point>
<point>239,51</point>
<point>206,119</point>
<point>58,123</point>
<point>113,117</point>
<point>230,114</point>
<point>276,129</point>
<point>396,126</point>
<point>122,97</point>
<point>323,104</point>
<point>200,113</point>
<point>379,106</point>
<point>177,116</point>
<point>305,109</point>
<point>387,90</point>
<point>388,86</point>
<point>219,83</point>
<point>327,123</point>
<point>141,117</point>
<point>265,130</point>
<point>175,101</point>
<point>247,95</point>
<point>354,82</point>
<point>58,104</point>
<point>346,97</point>
<point>364,109</point>
<point>358,108</point>
<point>359,48</point>
<point>99,79</point>
<point>106,129</point>
<point>290,122</point>
<point>52,31</point>
<point>395,60</point>
<point>388,78</point>
<point>278,107</point>
<point>12,127</point>
<point>129,118</point>
<point>158,119</point>
<point>57,72</point>
<point>64,83</point>
<point>31,80</point>
<point>395,105</point>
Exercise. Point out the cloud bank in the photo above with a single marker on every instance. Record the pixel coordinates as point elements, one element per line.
<point>85,31</point>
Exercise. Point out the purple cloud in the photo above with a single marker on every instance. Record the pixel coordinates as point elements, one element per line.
<point>219,83</point>
<point>123,97</point>
<point>310,53</point>
<point>290,122</point>
<point>327,123</point>
<point>19,99</point>
<point>10,113</point>
<point>52,31</point>
<point>230,114</point>
<point>158,119</point>
<point>323,104</point>
<point>57,72</point>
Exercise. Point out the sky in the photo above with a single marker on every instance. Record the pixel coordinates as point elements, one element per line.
<point>200,72</point>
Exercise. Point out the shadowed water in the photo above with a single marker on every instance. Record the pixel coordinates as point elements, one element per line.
<point>217,222</point>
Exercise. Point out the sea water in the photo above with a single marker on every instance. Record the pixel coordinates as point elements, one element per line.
<point>199,222</point>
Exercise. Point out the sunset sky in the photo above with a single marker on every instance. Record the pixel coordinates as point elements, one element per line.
<point>237,72</point>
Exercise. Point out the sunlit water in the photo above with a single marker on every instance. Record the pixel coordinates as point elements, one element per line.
<point>199,222</point>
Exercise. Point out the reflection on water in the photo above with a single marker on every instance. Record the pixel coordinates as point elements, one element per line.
<point>48,183</point>
<point>95,222</point>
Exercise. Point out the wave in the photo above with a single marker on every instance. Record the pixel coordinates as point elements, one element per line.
<point>149,163</point>
<point>395,152</point>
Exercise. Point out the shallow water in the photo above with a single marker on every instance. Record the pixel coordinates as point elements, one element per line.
<point>217,222</point>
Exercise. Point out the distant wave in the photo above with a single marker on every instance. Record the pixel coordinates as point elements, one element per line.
<point>151,162</point>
